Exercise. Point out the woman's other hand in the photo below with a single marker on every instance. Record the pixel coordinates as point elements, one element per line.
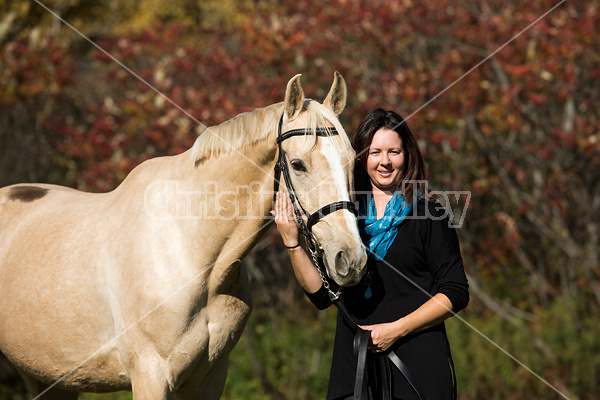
<point>383,336</point>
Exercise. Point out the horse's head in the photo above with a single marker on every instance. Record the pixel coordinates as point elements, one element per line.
<point>320,166</point>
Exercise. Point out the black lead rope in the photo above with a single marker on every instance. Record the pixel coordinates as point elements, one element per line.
<point>361,341</point>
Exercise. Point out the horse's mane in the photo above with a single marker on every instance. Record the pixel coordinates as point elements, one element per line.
<point>251,127</point>
<point>241,130</point>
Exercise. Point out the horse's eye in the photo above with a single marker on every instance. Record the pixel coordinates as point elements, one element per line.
<point>298,165</point>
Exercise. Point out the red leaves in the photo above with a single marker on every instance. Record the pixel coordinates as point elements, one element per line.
<point>32,67</point>
<point>537,98</point>
<point>294,39</point>
<point>398,55</point>
<point>518,70</point>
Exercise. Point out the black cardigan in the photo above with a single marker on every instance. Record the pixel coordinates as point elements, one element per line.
<point>423,260</point>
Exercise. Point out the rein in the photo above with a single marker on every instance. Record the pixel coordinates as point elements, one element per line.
<point>360,345</point>
<point>281,168</point>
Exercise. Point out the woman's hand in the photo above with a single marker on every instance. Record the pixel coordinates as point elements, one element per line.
<point>284,219</point>
<point>383,336</point>
<point>432,312</point>
<point>306,273</point>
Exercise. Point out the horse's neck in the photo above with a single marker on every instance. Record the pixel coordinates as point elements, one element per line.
<point>229,196</point>
<point>152,170</point>
<point>243,181</point>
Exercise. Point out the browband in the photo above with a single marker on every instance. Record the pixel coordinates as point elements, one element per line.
<point>304,131</point>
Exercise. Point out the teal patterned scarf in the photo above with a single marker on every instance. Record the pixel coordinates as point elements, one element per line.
<point>379,234</point>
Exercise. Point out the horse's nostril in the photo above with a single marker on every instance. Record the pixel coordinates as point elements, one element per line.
<point>341,263</point>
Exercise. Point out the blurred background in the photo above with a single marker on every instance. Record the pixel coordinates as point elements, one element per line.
<point>521,133</point>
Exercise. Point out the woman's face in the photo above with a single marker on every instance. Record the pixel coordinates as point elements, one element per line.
<point>385,161</point>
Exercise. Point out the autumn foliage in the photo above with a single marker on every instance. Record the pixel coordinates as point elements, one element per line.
<point>520,133</point>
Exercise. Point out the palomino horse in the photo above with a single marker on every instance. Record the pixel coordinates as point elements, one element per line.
<point>142,288</point>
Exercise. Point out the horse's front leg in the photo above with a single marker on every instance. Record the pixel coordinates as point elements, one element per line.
<point>210,388</point>
<point>150,376</point>
<point>148,382</point>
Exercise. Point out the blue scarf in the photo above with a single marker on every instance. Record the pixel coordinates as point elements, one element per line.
<point>378,235</point>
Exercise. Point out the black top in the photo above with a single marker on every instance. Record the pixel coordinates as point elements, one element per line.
<point>423,260</point>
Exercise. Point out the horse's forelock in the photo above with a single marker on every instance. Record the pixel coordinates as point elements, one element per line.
<point>321,116</point>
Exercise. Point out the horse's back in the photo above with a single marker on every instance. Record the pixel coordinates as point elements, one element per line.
<point>34,218</point>
<point>23,201</point>
<point>28,193</point>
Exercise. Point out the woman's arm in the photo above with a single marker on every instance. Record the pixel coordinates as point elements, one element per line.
<point>431,313</point>
<point>306,274</point>
<point>442,252</point>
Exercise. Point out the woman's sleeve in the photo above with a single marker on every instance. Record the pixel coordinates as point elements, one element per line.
<point>444,259</point>
<point>320,298</point>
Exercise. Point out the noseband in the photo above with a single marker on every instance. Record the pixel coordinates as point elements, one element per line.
<point>281,167</point>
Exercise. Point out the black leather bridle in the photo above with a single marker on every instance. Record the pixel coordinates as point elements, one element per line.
<point>281,168</point>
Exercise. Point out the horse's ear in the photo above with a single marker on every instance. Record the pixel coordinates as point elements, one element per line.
<point>336,98</point>
<point>294,97</point>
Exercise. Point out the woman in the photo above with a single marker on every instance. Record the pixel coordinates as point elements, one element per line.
<point>415,277</point>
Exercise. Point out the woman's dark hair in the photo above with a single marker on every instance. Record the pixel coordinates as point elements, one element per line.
<point>414,166</point>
